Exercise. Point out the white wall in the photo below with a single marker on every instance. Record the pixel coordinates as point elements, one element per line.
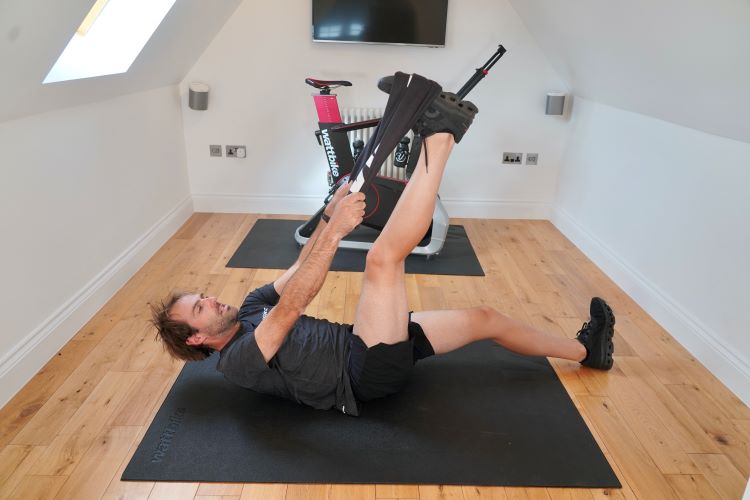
<point>685,62</point>
<point>87,194</point>
<point>256,68</point>
<point>664,211</point>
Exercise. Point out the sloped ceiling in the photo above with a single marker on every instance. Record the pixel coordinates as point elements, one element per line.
<point>33,33</point>
<point>687,62</point>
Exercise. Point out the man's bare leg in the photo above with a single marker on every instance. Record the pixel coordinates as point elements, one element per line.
<point>450,329</point>
<point>382,312</point>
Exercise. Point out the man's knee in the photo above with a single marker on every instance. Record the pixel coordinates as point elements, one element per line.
<point>383,260</point>
<point>483,315</point>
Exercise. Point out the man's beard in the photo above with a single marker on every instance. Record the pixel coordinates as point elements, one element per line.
<point>227,322</point>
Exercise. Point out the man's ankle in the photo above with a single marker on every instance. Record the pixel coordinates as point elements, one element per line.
<point>584,355</point>
<point>441,140</point>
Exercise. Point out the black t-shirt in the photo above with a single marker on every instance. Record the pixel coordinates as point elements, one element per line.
<point>309,367</point>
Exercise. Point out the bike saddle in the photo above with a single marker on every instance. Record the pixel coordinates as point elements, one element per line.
<point>323,84</point>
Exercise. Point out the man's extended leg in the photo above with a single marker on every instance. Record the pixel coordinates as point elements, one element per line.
<point>451,329</point>
<point>382,312</point>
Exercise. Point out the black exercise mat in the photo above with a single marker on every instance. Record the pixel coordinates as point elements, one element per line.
<point>477,416</point>
<point>270,244</point>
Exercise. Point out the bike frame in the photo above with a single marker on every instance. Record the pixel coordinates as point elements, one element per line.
<point>383,191</point>
<point>332,135</point>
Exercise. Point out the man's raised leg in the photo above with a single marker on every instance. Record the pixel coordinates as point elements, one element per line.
<point>382,312</point>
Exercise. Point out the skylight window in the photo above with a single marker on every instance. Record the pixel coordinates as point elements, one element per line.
<point>109,39</point>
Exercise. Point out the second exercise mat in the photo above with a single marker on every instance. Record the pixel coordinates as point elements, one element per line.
<point>270,245</point>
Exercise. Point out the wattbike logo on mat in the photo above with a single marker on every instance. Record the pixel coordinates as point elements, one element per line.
<point>165,440</point>
<point>332,161</point>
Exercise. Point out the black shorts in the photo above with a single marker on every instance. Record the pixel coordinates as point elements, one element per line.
<point>384,369</point>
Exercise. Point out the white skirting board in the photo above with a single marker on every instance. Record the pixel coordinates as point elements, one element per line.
<point>497,209</point>
<point>257,204</point>
<point>285,204</point>
<point>29,355</point>
<point>721,360</point>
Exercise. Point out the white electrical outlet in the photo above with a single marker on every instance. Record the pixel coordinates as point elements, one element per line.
<point>532,158</point>
<point>512,158</point>
<point>236,151</point>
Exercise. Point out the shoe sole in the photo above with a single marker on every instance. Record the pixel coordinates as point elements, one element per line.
<point>450,114</point>
<point>609,317</point>
<point>467,110</point>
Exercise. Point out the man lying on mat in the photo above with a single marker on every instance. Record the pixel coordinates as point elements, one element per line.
<point>270,346</point>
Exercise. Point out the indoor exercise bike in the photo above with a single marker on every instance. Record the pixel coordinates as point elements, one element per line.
<point>383,192</point>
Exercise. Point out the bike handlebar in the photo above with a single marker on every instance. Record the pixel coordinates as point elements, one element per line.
<point>481,72</point>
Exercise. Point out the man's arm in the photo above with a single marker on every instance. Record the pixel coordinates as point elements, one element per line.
<point>282,281</point>
<point>305,283</point>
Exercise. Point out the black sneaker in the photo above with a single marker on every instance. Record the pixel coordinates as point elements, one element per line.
<point>447,113</point>
<point>596,335</point>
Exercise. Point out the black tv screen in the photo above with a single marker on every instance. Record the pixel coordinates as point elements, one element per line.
<point>408,22</point>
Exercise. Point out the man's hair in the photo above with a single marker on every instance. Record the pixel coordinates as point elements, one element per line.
<point>175,333</point>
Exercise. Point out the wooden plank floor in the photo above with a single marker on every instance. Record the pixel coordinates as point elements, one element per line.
<point>669,428</point>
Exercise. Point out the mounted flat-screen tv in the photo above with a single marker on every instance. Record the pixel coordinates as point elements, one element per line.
<point>401,22</point>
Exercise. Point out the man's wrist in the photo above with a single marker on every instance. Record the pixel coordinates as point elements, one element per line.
<point>331,234</point>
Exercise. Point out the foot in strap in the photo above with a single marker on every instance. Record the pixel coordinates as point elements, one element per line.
<point>386,83</point>
<point>447,113</point>
<point>596,335</point>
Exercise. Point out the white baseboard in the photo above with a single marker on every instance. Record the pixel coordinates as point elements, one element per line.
<point>257,204</point>
<point>496,209</point>
<point>707,347</point>
<point>297,204</point>
<point>27,357</point>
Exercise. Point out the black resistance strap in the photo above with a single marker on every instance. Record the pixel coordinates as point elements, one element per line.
<point>410,96</point>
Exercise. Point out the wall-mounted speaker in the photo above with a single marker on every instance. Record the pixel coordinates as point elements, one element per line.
<point>555,103</point>
<point>198,96</point>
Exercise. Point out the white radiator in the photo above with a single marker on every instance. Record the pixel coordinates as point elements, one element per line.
<point>350,115</point>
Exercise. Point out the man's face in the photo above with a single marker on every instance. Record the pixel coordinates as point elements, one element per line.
<point>205,314</point>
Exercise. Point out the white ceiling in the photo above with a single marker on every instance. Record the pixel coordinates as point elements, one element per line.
<point>687,62</point>
<point>33,33</point>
